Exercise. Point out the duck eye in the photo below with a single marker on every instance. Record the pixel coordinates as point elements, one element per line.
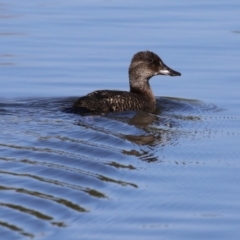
<point>150,60</point>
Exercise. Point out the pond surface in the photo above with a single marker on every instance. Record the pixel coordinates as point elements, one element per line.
<point>173,175</point>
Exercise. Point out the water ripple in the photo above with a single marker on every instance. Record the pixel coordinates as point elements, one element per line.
<point>56,165</point>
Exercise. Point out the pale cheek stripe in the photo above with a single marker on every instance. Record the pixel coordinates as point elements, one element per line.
<point>164,71</point>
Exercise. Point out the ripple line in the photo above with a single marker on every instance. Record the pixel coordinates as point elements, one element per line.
<point>61,201</point>
<point>92,192</point>
<point>27,210</point>
<point>16,229</point>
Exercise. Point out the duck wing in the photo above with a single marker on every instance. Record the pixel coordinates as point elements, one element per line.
<point>102,101</point>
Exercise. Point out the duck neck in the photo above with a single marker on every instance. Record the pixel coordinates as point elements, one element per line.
<point>141,86</point>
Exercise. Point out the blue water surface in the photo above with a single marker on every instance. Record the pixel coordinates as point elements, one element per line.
<point>121,176</point>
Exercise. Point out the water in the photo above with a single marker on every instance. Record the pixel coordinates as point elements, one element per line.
<point>124,175</point>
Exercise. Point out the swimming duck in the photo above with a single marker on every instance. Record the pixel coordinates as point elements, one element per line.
<point>143,66</point>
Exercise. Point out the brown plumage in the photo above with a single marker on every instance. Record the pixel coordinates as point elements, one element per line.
<point>144,65</point>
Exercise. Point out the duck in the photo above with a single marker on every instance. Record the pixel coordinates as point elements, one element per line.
<point>144,65</point>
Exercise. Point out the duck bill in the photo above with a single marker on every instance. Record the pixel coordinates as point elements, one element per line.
<point>168,71</point>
